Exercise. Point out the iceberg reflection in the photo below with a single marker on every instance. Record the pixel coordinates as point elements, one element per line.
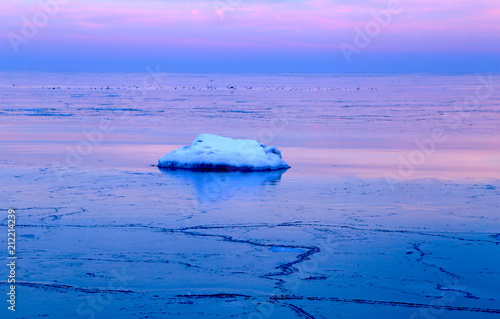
<point>214,186</point>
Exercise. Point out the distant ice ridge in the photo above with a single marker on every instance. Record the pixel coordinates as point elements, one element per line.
<point>213,152</point>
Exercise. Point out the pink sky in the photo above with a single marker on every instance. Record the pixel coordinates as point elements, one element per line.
<point>453,26</point>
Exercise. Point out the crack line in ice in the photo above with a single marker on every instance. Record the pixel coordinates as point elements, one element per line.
<point>291,224</point>
<point>68,287</point>
<point>350,300</point>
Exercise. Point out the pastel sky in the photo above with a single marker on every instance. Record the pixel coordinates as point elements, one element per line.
<point>251,36</point>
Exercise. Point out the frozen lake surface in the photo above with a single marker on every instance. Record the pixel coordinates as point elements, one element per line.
<point>390,209</point>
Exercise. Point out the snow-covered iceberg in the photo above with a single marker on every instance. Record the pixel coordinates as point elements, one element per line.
<point>213,152</point>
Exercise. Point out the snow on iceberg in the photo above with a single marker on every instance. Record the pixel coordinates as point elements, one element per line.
<point>213,152</point>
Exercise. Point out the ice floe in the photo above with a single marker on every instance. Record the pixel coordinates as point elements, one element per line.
<point>213,152</point>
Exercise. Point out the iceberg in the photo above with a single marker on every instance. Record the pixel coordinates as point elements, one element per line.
<point>213,152</point>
